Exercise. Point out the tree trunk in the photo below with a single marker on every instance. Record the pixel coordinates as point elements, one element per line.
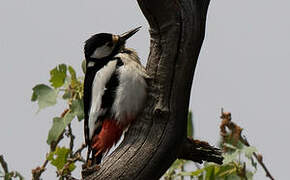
<point>154,141</point>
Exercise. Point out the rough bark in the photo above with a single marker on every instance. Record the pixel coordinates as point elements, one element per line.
<point>155,140</point>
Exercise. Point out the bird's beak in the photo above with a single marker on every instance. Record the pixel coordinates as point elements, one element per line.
<point>123,37</point>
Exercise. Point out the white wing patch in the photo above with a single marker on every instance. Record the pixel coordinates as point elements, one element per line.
<point>131,92</point>
<point>98,89</point>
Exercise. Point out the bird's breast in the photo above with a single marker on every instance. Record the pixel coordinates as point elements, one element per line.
<point>130,94</point>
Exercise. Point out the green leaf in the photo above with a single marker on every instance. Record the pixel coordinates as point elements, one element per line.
<point>233,177</point>
<point>77,108</point>
<point>189,125</point>
<point>67,95</point>
<point>230,146</point>
<point>58,158</point>
<point>72,73</point>
<point>192,174</point>
<point>17,174</point>
<point>58,75</point>
<point>58,126</point>
<point>210,174</point>
<point>197,172</point>
<point>72,166</point>
<point>231,140</point>
<point>226,170</point>
<point>253,163</point>
<point>249,175</point>
<point>230,157</point>
<point>84,66</point>
<point>249,150</point>
<point>177,164</point>
<point>45,95</point>
<point>74,81</point>
<point>8,176</point>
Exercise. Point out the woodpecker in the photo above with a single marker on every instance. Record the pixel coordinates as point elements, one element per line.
<point>114,90</point>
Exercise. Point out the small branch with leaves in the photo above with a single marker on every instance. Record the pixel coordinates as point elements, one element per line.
<point>236,149</point>
<point>74,158</point>
<point>235,134</point>
<point>8,175</point>
<point>63,80</point>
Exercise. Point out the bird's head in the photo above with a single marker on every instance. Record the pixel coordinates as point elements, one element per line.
<point>104,45</point>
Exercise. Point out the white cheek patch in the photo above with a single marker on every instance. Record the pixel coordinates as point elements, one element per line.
<point>102,52</point>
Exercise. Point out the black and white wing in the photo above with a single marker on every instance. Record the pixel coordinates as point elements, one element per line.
<point>99,94</point>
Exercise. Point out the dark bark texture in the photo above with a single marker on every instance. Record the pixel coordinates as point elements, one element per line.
<point>154,141</point>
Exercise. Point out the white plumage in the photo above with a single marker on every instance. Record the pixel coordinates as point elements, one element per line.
<point>102,51</point>
<point>130,94</point>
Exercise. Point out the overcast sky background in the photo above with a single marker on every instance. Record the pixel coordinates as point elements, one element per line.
<point>243,66</point>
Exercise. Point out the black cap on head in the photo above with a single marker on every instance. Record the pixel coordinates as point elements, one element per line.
<point>95,41</point>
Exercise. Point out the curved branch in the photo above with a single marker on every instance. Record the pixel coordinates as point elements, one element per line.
<point>153,142</point>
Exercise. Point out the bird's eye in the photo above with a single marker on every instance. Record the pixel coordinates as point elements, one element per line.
<point>110,44</point>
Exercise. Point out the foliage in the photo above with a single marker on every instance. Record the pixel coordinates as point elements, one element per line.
<point>190,125</point>
<point>71,88</point>
<point>59,157</point>
<point>238,162</point>
<point>64,85</point>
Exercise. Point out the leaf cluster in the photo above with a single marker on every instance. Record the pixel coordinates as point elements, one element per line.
<point>64,86</point>
<point>238,162</point>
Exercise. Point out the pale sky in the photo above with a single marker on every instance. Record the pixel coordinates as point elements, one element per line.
<point>243,67</point>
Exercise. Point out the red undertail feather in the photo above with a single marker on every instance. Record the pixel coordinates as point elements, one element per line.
<point>109,135</point>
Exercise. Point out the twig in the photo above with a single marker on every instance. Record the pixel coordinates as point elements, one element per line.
<point>80,149</point>
<point>54,144</point>
<point>236,135</point>
<point>36,173</point>
<point>259,158</point>
<point>72,138</point>
<point>242,172</point>
<point>75,157</point>
<point>182,169</point>
<point>9,175</point>
<point>69,177</point>
<point>4,164</point>
<point>62,171</point>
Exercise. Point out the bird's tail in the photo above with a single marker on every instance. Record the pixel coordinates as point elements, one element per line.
<point>109,135</point>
